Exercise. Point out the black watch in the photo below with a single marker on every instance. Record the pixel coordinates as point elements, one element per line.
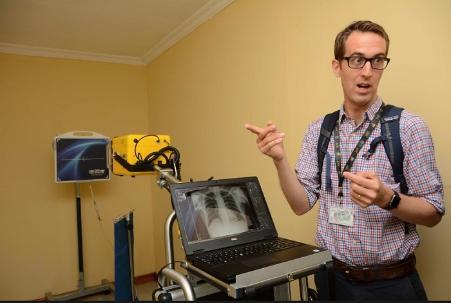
<point>394,201</point>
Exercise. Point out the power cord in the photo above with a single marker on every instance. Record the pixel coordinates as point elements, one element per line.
<point>173,159</point>
<point>138,155</point>
<point>99,218</point>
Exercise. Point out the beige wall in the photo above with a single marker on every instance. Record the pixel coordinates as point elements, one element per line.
<point>41,98</point>
<point>257,60</point>
<point>265,60</point>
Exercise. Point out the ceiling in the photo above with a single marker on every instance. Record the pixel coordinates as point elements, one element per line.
<point>121,31</point>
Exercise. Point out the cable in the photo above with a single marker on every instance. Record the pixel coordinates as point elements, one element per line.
<point>137,155</point>
<point>99,218</point>
<point>312,294</point>
<point>154,155</point>
<point>172,160</point>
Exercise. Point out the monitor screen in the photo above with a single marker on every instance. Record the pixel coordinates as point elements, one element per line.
<point>218,211</point>
<point>221,213</point>
<point>81,159</point>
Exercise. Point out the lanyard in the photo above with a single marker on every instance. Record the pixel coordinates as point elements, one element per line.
<point>356,150</point>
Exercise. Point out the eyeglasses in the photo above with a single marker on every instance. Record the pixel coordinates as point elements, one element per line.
<point>358,62</point>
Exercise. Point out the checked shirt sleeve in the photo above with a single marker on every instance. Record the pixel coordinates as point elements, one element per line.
<point>420,168</point>
<point>307,163</point>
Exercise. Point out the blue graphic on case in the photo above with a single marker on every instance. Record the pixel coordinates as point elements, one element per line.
<point>82,159</point>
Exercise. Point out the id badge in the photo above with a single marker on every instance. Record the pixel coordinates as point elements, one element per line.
<point>341,216</point>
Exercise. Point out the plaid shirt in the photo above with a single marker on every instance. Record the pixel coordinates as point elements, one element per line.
<point>377,237</point>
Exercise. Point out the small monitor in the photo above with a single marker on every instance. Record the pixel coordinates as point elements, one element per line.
<point>81,157</point>
<point>221,211</point>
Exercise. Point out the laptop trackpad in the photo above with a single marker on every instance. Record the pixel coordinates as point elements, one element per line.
<point>263,260</point>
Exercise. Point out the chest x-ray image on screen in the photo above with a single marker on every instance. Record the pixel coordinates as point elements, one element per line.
<point>219,211</point>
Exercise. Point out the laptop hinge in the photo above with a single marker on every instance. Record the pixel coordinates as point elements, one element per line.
<point>198,251</point>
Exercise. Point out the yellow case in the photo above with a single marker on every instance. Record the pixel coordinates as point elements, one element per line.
<point>125,146</point>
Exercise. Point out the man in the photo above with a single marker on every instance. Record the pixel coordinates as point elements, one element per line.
<point>372,239</point>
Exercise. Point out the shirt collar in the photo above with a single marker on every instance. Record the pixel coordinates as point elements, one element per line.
<point>370,112</point>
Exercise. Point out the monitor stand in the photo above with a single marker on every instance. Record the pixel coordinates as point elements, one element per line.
<point>104,287</point>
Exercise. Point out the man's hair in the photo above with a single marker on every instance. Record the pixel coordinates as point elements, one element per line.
<point>361,26</point>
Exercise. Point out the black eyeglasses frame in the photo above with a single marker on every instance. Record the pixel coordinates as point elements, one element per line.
<point>387,60</point>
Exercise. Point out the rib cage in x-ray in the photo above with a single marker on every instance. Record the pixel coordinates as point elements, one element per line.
<point>222,209</point>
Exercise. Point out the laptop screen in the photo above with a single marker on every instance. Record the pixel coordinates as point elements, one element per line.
<point>221,213</point>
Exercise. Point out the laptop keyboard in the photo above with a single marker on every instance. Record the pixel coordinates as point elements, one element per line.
<point>234,253</point>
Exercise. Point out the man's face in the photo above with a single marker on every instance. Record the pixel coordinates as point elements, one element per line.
<point>360,85</point>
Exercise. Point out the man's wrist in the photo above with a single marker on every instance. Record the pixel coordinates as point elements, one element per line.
<point>278,162</point>
<point>393,202</point>
<point>388,194</point>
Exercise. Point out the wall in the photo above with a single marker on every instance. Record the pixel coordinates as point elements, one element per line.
<point>255,61</point>
<point>41,98</point>
<point>261,60</point>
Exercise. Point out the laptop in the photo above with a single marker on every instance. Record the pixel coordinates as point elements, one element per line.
<point>227,229</point>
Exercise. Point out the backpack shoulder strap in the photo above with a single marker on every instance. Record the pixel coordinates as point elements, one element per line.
<point>392,143</point>
<point>327,127</point>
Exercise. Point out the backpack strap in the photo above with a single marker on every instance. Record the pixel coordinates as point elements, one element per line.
<point>327,127</point>
<point>392,143</point>
<point>390,137</point>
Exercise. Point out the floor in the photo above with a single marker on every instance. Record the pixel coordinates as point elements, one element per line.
<point>143,292</point>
